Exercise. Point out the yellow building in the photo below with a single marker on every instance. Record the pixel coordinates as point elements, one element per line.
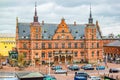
<point>7,42</point>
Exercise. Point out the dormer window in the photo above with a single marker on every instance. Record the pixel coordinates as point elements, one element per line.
<point>76,32</point>
<point>23,31</point>
<point>45,31</point>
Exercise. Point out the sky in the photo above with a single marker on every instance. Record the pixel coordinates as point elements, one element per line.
<point>107,12</point>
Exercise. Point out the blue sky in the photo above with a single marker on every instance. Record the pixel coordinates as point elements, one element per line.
<point>107,12</point>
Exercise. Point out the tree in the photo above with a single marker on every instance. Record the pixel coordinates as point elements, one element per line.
<point>21,60</point>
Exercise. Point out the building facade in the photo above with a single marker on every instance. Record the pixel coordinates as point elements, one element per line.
<point>65,43</point>
<point>7,42</point>
<point>112,51</point>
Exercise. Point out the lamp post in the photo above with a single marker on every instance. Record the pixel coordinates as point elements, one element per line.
<point>49,67</point>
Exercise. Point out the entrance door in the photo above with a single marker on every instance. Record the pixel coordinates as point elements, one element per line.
<point>56,59</point>
<point>63,59</point>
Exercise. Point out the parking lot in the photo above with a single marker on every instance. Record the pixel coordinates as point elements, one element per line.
<point>70,75</point>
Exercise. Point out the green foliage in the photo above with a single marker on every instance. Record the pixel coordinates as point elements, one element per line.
<point>21,60</point>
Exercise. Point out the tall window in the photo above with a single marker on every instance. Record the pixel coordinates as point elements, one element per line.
<point>67,37</point>
<point>82,45</point>
<point>36,36</point>
<point>43,45</point>
<point>97,53</point>
<point>75,44</point>
<point>58,37</point>
<point>69,45</point>
<point>24,45</point>
<point>49,54</point>
<point>56,45</point>
<point>49,45</point>
<point>76,54</point>
<point>92,30</point>
<point>36,29</point>
<point>97,45</point>
<point>62,31</point>
<point>63,45</point>
<point>92,37</point>
<point>36,46</point>
<point>92,53</point>
<point>92,45</point>
<point>43,54</point>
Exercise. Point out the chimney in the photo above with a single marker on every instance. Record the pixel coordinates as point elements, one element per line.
<point>42,22</point>
<point>74,23</point>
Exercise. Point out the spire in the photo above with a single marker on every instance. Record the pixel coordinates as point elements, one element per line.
<point>35,16</point>
<point>90,17</point>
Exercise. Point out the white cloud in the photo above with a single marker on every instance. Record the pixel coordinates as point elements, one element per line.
<point>51,11</point>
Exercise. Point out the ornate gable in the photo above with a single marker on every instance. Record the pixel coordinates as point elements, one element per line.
<point>62,31</point>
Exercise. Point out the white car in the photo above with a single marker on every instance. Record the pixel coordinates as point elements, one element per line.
<point>60,71</point>
<point>94,78</point>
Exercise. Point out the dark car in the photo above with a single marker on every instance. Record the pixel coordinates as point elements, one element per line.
<point>56,67</point>
<point>81,76</point>
<point>49,77</point>
<point>88,68</point>
<point>74,67</point>
<point>100,68</point>
<point>114,70</point>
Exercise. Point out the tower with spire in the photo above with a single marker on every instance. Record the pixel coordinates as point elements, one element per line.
<point>90,20</point>
<point>35,15</point>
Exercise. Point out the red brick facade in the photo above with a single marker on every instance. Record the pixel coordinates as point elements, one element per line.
<point>63,47</point>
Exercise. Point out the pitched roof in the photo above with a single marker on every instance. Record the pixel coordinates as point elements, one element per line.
<point>48,30</point>
<point>29,74</point>
<point>114,44</point>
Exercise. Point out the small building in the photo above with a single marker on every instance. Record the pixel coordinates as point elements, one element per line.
<point>112,51</point>
<point>7,42</point>
<point>30,76</point>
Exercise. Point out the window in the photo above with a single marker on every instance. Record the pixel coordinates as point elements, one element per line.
<point>36,45</point>
<point>82,53</point>
<point>43,45</point>
<point>49,54</point>
<point>58,37</point>
<point>62,31</point>
<point>43,54</point>
<point>92,37</point>
<point>49,45</point>
<point>56,45</point>
<point>67,37</point>
<point>92,45</point>
<point>23,31</point>
<point>92,30</point>
<point>75,44</point>
<point>69,45</point>
<point>92,53</point>
<point>36,36</point>
<point>97,45</point>
<point>75,54</point>
<point>82,45</point>
<point>5,46</point>
<point>24,45</point>
<point>63,45</point>
<point>97,53</point>
<point>36,29</point>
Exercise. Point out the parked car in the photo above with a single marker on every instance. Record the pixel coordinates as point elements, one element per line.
<point>81,76</point>
<point>88,68</point>
<point>100,68</point>
<point>60,71</point>
<point>94,78</point>
<point>49,77</point>
<point>56,67</point>
<point>3,63</point>
<point>114,70</point>
<point>74,67</point>
<point>87,65</point>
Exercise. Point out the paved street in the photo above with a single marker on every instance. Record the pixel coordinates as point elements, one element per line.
<point>69,76</point>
